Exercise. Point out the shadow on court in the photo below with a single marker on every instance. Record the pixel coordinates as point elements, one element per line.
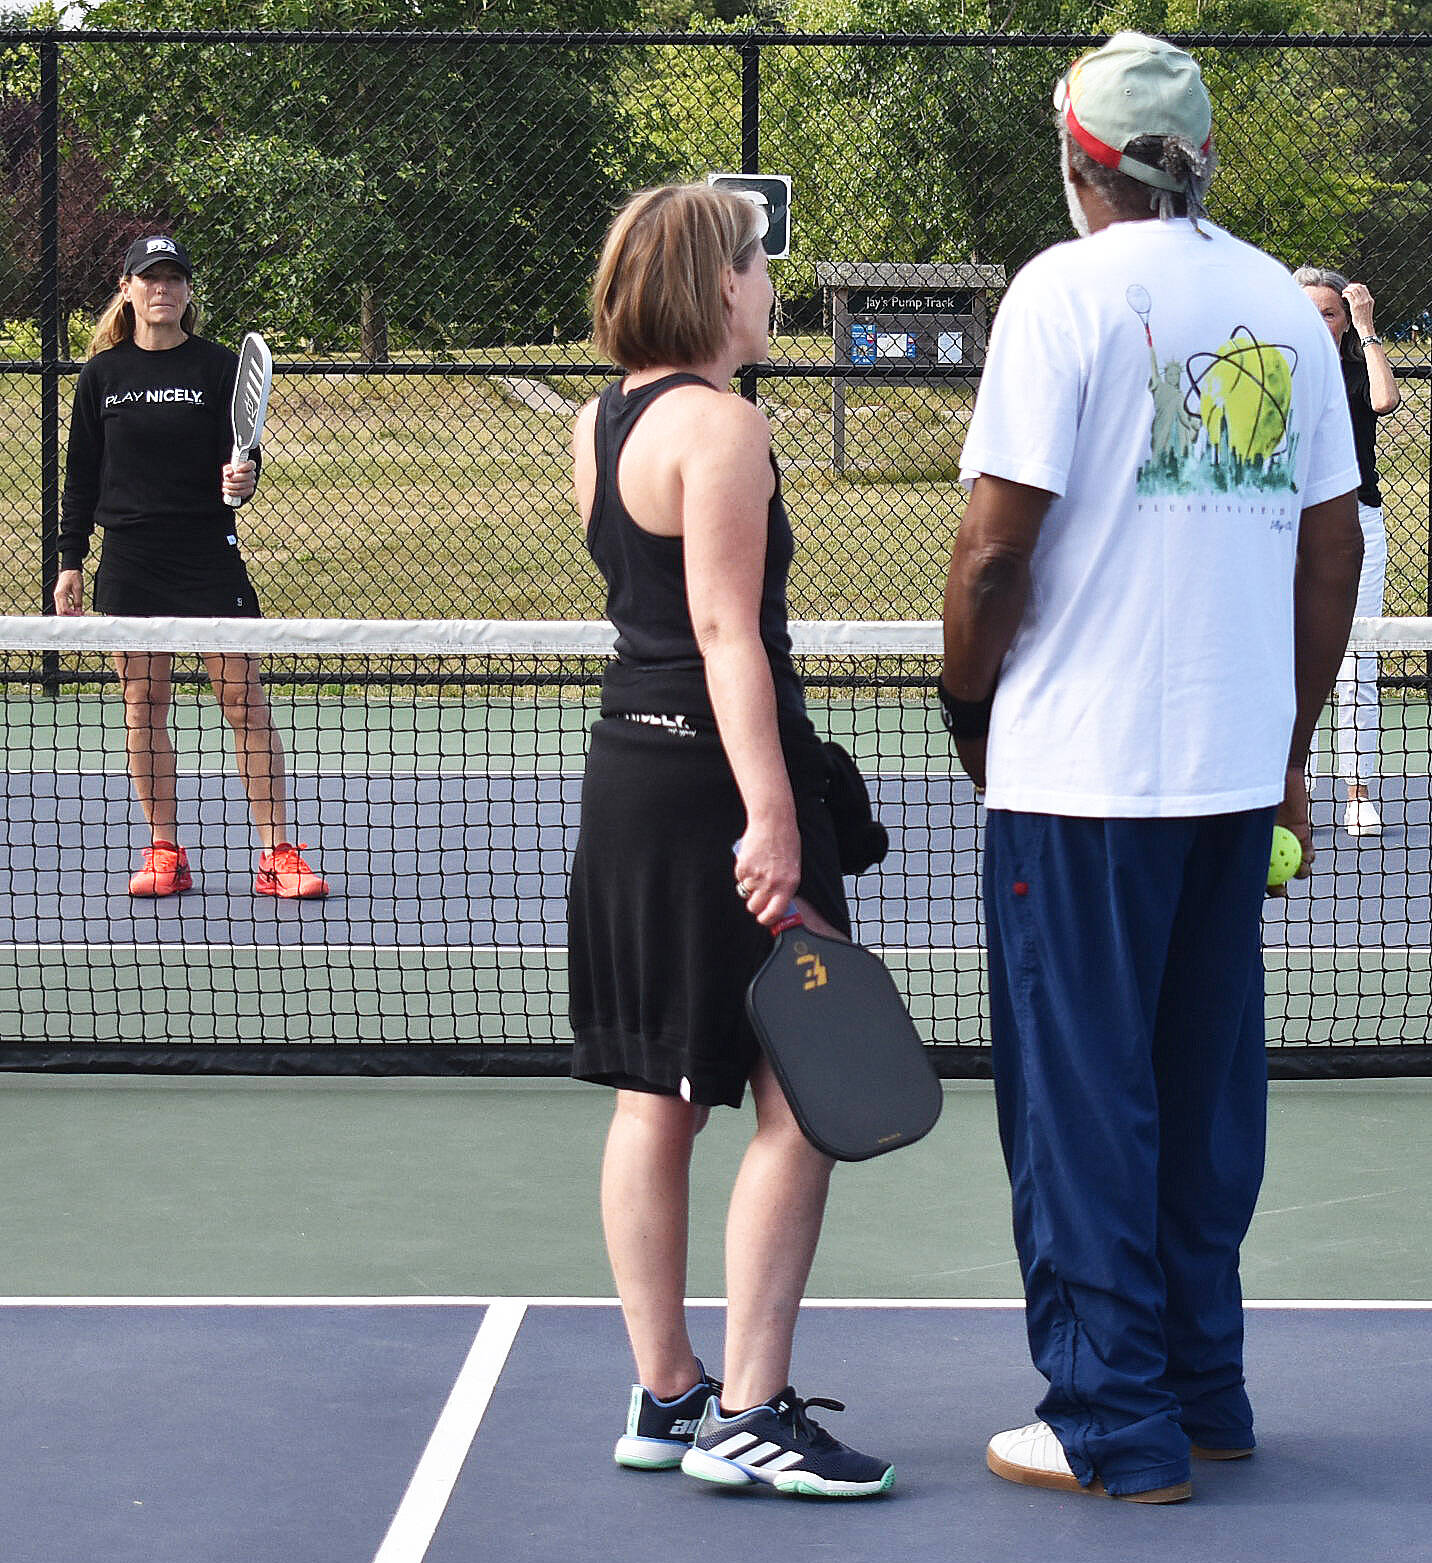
<point>213,1434</point>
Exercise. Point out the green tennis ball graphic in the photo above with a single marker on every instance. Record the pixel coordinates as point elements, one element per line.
<point>1244,398</point>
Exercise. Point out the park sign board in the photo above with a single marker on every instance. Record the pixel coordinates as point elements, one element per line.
<point>894,315</point>
<point>934,327</point>
<point>927,316</point>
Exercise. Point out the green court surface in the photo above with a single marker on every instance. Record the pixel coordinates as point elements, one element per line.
<point>390,731</point>
<point>148,1186</point>
<point>518,996</point>
<point>394,730</point>
<point>397,730</point>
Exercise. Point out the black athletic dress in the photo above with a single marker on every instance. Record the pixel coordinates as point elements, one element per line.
<point>661,948</point>
<point>149,436</point>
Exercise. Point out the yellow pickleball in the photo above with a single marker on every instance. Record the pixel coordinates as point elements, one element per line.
<point>1286,858</point>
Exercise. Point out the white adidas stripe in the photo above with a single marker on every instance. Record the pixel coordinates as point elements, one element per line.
<point>786,1461</point>
<point>750,1452</point>
<point>733,1445</point>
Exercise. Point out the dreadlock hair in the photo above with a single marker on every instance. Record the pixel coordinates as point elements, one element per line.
<point>1131,198</point>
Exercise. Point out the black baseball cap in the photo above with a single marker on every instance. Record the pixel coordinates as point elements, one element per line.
<point>147,252</point>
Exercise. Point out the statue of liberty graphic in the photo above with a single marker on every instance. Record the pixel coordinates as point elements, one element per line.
<point>1228,431</point>
<point>1175,428</point>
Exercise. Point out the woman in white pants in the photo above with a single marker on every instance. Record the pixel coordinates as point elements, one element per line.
<point>1346,308</point>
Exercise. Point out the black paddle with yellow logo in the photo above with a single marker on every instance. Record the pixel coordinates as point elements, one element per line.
<point>842,1044</point>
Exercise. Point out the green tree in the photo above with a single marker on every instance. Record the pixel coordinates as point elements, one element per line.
<point>675,16</point>
<point>947,154</point>
<point>1370,114</point>
<point>339,191</point>
<point>93,229</point>
<point>18,74</point>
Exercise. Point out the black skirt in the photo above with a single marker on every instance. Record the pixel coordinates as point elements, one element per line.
<point>661,948</point>
<point>163,571</point>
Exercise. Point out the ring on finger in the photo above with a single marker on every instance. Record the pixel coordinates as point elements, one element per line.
<point>742,889</point>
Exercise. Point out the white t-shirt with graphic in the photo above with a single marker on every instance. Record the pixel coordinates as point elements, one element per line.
<point>1182,399</point>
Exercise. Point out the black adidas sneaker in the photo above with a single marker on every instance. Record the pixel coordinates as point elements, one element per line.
<point>659,1432</point>
<point>779,1444</point>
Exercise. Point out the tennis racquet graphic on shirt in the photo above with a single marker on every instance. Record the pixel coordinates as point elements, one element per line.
<point>1138,300</point>
<point>841,1043</point>
<point>251,397</point>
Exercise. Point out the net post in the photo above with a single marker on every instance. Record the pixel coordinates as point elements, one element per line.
<point>50,343</point>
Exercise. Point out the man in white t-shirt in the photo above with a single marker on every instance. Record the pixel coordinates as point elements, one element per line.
<point>1147,604</point>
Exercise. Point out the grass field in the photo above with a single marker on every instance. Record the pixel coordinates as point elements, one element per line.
<point>415,497</point>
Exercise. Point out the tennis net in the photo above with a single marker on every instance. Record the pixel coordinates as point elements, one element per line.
<point>433,768</point>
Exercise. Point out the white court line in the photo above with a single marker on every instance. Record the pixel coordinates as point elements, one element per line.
<point>411,1532</point>
<point>420,1301</point>
<point>522,1304</point>
<point>312,947</point>
<point>442,773</point>
<point>79,946</point>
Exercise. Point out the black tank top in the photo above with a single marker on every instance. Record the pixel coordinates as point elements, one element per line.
<point>658,666</point>
<point>1364,429</point>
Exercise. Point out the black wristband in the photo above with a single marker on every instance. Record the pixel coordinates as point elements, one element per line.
<point>964,718</point>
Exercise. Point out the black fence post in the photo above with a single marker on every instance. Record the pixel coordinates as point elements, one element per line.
<point>50,342</point>
<point>750,155</point>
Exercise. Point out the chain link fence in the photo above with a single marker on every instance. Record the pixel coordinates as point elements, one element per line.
<point>412,220</point>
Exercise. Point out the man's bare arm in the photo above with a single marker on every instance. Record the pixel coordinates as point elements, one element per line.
<point>988,582</point>
<point>985,596</point>
<point>1324,601</point>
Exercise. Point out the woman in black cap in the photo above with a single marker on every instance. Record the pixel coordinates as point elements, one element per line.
<point>148,461</point>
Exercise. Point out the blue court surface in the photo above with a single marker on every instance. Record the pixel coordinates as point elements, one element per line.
<point>458,1431</point>
<point>495,850</point>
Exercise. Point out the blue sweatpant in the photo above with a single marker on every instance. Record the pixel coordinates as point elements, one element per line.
<point>1126,995</point>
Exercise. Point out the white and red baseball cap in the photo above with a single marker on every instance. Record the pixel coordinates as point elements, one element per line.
<point>1134,86</point>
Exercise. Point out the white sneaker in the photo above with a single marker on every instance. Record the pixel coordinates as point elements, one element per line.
<point>1361,818</point>
<point>1034,1457</point>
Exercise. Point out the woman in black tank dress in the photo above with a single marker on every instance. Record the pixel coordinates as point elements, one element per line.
<point>148,463</point>
<point>703,740</point>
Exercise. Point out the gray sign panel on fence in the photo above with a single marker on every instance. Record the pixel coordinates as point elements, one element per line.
<point>772,193</point>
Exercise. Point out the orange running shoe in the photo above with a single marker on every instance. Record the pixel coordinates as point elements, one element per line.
<point>164,871</point>
<point>283,872</point>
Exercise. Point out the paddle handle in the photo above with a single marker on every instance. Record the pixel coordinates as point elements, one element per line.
<point>790,918</point>
<point>236,456</point>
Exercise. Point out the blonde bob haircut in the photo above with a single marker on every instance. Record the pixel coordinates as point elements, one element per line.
<point>656,298</point>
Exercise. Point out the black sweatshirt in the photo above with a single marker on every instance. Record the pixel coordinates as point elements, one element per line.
<point>149,436</point>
